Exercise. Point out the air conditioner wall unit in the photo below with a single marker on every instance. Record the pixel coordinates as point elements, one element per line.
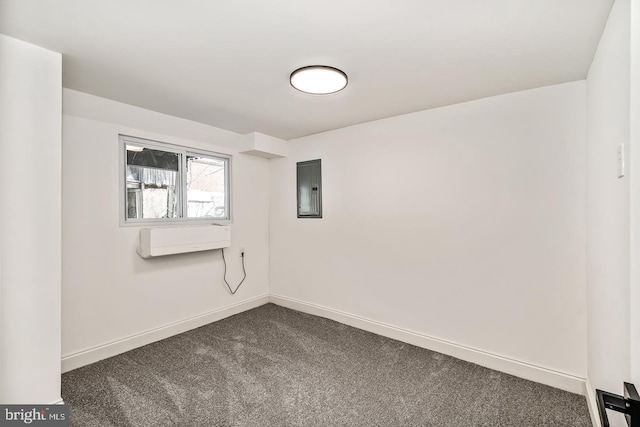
<point>178,240</point>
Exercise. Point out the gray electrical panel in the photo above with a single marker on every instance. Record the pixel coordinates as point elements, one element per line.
<point>309,181</point>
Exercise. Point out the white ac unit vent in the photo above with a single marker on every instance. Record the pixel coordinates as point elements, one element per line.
<point>178,240</point>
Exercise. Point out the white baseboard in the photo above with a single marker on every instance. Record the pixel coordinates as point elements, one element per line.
<point>592,403</point>
<point>57,402</point>
<point>95,354</point>
<point>527,371</point>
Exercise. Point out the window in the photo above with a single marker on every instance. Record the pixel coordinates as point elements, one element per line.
<point>164,183</point>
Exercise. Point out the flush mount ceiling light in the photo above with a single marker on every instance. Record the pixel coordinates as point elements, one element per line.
<point>318,79</point>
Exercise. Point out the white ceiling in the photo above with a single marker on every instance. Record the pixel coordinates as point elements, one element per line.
<point>227,63</point>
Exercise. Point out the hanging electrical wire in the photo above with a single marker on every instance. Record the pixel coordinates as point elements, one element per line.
<point>224,261</point>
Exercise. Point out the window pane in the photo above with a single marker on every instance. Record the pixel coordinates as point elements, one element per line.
<point>152,176</point>
<point>206,187</point>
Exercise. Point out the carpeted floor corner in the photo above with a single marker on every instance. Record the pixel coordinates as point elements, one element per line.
<point>273,366</point>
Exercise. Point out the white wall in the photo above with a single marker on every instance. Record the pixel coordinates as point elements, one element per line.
<point>634,190</point>
<point>609,223</point>
<point>608,209</point>
<point>113,300</point>
<point>30,222</point>
<point>464,223</point>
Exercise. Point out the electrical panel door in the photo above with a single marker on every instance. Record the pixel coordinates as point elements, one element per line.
<point>309,180</point>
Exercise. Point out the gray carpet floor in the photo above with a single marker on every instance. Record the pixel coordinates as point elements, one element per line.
<point>273,366</point>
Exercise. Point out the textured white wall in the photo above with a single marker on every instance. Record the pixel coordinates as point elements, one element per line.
<point>608,208</point>
<point>464,223</point>
<point>30,222</point>
<point>110,293</point>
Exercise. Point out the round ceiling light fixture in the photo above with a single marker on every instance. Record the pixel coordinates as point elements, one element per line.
<point>318,79</point>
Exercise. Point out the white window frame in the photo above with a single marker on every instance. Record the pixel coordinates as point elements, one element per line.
<point>181,195</point>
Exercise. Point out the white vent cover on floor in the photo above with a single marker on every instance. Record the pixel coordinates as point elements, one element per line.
<point>178,240</point>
